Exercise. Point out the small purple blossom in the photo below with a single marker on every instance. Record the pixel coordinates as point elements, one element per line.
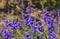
<point>6,34</point>
<point>29,8</point>
<point>13,24</point>
<point>27,35</point>
<point>17,24</point>
<point>34,29</point>
<point>50,26</point>
<point>53,34</point>
<point>46,13</point>
<point>50,37</point>
<point>41,28</point>
<point>8,23</point>
<point>30,21</point>
<point>25,16</point>
<point>58,12</point>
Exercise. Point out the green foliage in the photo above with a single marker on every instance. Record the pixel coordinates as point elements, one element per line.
<point>45,3</point>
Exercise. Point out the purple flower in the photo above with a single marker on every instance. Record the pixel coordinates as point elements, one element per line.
<point>8,23</point>
<point>41,28</point>
<point>17,24</point>
<point>29,8</point>
<point>29,4</point>
<point>58,12</point>
<point>25,16</point>
<point>6,34</point>
<point>47,17</point>
<point>29,21</point>
<point>50,37</point>
<point>46,13</point>
<point>30,18</point>
<point>53,35</point>
<point>49,20</point>
<point>15,21</point>
<point>51,30</point>
<point>50,26</point>
<point>27,35</point>
<point>34,29</point>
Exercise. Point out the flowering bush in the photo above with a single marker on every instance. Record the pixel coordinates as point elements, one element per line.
<point>26,26</point>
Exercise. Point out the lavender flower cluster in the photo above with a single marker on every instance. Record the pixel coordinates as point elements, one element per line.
<point>30,23</point>
<point>50,22</point>
<point>15,24</point>
<point>6,34</point>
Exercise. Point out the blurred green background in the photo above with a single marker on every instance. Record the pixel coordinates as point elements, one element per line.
<point>46,3</point>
